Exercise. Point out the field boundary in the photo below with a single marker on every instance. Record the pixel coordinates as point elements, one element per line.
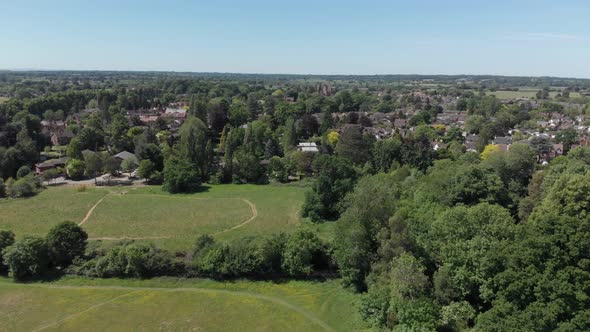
<point>252,206</point>
<point>304,312</point>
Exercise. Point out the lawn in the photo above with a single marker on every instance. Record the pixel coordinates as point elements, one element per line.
<point>171,221</point>
<point>3,99</point>
<point>36,215</point>
<point>168,304</point>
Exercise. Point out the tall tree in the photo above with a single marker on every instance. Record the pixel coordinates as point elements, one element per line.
<point>193,144</point>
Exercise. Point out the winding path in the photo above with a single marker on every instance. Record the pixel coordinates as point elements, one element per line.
<point>91,210</point>
<point>254,215</point>
<point>304,312</point>
<point>108,238</point>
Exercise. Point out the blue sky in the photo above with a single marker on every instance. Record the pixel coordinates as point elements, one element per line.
<point>518,37</point>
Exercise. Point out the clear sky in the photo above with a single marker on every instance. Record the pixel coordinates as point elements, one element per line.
<point>518,37</point>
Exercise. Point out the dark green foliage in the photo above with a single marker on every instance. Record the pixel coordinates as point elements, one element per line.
<point>193,145</point>
<point>22,172</point>
<point>476,184</point>
<point>147,170</point>
<point>26,186</point>
<point>75,168</point>
<point>133,260</point>
<point>299,254</point>
<point>353,145</point>
<point>335,179</point>
<point>6,240</point>
<point>304,252</point>
<point>246,168</point>
<point>180,175</point>
<point>386,153</point>
<point>65,242</point>
<point>370,206</point>
<point>27,258</point>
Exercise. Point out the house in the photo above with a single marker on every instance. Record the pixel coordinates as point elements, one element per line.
<point>176,113</point>
<point>307,147</point>
<point>47,127</point>
<point>125,155</point>
<point>556,150</point>
<point>148,119</point>
<point>49,164</point>
<point>438,145</point>
<point>400,123</point>
<point>61,136</point>
<point>506,140</point>
<point>503,147</point>
<point>471,142</point>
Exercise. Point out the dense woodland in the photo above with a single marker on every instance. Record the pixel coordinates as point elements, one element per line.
<point>437,234</point>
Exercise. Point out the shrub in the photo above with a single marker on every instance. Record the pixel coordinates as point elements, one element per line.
<point>243,258</point>
<point>65,242</point>
<point>180,175</point>
<point>23,171</point>
<point>6,240</point>
<point>75,168</point>
<point>50,174</point>
<point>271,251</point>
<point>303,253</point>
<point>133,260</point>
<point>147,170</point>
<point>128,165</point>
<point>27,258</point>
<point>23,187</point>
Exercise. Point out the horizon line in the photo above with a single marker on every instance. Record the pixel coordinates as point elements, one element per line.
<point>277,73</point>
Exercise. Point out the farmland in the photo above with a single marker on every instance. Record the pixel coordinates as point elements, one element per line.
<point>148,213</point>
<point>526,93</point>
<point>78,304</point>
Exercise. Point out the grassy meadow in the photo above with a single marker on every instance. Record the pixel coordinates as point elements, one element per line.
<point>526,93</point>
<point>171,221</point>
<point>169,304</point>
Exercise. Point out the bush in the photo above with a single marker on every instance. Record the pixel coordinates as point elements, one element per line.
<point>23,171</point>
<point>50,174</point>
<point>128,165</point>
<point>304,252</point>
<point>219,260</point>
<point>75,168</point>
<point>24,187</point>
<point>66,241</point>
<point>147,170</point>
<point>27,258</point>
<point>180,175</point>
<point>271,251</point>
<point>6,240</point>
<point>133,261</point>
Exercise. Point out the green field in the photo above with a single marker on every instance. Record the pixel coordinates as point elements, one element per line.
<point>3,99</point>
<point>526,93</point>
<point>168,304</point>
<point>149,214</point>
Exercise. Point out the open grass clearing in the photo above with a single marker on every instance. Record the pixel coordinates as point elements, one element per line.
<point>169,304</point>
<point>163,216</point>
<point>171,221</point>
